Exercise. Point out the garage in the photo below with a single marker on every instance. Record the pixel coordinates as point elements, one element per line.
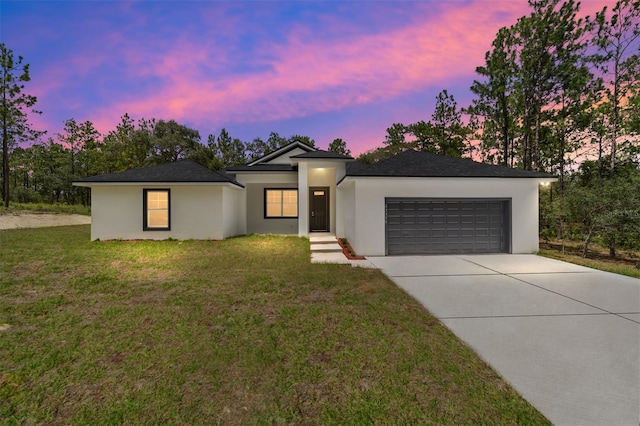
<point>415,226</point>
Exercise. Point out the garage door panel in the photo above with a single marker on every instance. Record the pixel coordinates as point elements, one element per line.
<point>482,219</point>
<point>438,219</point>
<point>408,233</point>
<point>423,233</point>
<point>438,233</point>
<point>453,219</point>
<point>467,233</point>
<point>482,232</point>
<point>467,218</point>
<point>467,205</point>
<point>394,236</point>
<point>455,206</point>
<point>437,226</point>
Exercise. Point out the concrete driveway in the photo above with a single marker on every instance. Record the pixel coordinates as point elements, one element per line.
<point>566,337</point>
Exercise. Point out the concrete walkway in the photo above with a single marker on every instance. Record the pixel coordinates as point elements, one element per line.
<point>325,249</point>
<point>566,337</point>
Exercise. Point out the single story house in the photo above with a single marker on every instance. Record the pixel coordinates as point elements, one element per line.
<point>412,203</point>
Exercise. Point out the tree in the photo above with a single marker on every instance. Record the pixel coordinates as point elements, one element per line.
<point>23,189</point>
<point>14,108</point>
<point>424,136</point>
<point>374,155</point>
<point>618,61</point>
<point>204,154</point>
<point>607,208</point>
<point>339,147</point>
<point>228,151</point>
<point>127,147</point>
<point>548,67</point>
<point>256,148</point>
<point>396,135</point>
<point>448,130</point>
<point>82,142</point>
<point>275,141</point>
<point>536,87</point>
<point>494,100</point>
<point>573,94</point>
<point>50,172</point>
<point>302,139</point>
<point>171,141</point>
<point>445,134</point>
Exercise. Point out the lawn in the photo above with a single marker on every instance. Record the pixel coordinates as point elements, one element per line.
<point>624,264</point>
<point>241,331</point>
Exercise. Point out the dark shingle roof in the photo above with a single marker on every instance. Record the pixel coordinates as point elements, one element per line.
<point>180,171</point>
<point>262,168</point>
<point>323,154</point>
<point>424,164</point>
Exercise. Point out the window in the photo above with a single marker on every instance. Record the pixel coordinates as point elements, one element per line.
<point>281,203</point>
<point>156,209</point>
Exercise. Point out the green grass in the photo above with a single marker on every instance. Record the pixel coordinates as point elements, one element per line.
<point>241,331</point>
<point>608,266</point>
<point>47,208</point>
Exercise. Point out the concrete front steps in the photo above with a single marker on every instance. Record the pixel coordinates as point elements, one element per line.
<point>325,249</point>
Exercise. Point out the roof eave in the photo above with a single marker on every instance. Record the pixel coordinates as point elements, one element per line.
<point>89,184</point>
<point>231,171</point>
<point>550,178</point>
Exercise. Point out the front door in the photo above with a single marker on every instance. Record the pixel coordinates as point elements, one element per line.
<point>319,210</point>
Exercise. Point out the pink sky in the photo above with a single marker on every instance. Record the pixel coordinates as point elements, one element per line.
<point>321,69</point>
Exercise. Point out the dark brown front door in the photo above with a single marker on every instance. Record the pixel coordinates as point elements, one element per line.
<point>319,219</point>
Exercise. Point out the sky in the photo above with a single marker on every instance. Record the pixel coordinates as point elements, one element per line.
<point>323,69</point>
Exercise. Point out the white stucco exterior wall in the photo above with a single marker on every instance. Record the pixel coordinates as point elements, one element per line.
<point>232,216</point>
<point>346,211</point>
<point>365,198</point>
<point>303,200</point>
<point>253,221</point>
<point>196,210</point>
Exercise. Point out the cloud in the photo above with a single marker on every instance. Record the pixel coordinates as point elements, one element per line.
<point>224,63</point>
<point>306,74</point>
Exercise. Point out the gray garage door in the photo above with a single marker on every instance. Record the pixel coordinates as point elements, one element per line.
<point>446,226</point>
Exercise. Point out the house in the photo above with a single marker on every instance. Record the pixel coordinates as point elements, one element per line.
<point>412,203</point>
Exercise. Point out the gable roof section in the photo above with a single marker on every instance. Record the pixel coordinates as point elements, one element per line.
<point>319,154</point>
<point>184,171</point>
<point>412,163</point>
<point>281,151</point>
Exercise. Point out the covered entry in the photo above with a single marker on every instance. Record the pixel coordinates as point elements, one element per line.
<point>447,226</point>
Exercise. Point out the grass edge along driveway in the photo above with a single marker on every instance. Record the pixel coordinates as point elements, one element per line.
<point>241,331</point>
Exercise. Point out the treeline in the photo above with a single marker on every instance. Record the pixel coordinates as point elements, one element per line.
<point>44,171</point>
<point>594,207</point>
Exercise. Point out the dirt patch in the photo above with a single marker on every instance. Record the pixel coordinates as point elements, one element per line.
<point>40,220</point>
